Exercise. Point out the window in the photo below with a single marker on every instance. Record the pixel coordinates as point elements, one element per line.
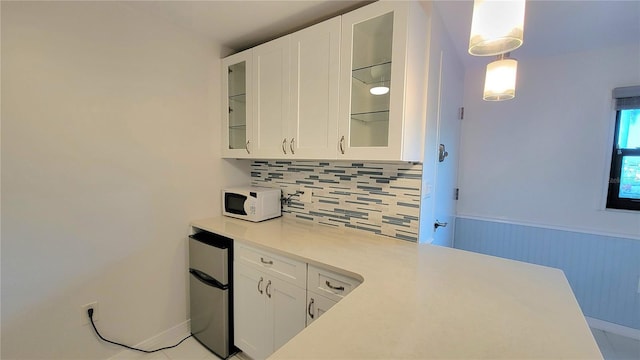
<point>624,181</point>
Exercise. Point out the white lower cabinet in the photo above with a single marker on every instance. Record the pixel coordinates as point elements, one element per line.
<point>275,297</point>
<point>317,305</point>
<point>268,311</point>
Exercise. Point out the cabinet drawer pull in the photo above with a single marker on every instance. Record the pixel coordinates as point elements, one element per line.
<point>267,288</point>
<point>342,145</point>
<point>339,288</point>
<point>293,141</point>
<point>284,144</point>
<point>268,262</point>
<point>259,285</point>
<point>309,311</point>
<point>246,146</point>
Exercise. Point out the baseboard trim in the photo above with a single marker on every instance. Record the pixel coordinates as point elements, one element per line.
<point>166,338</point>
<point>613,328</point>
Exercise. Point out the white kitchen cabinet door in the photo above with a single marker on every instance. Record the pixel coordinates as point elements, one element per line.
<point>268,311</point>
<point>383,47</point>
<point>316,306</point>
<point>237,105</point>
<point>315,71</point>
<point>285,311</point>
<point>250,325</point>
<point>271,99</point>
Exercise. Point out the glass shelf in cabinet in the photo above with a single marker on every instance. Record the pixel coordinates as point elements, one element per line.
<point>374,73</point>
<point>240,98</point>
<point>371,116</point>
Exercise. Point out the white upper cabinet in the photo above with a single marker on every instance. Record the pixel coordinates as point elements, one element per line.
<point>271,106</point>
<point>237,105</point>
<point>315,70</point>
<point>383,82</point>
<point>312,94</point>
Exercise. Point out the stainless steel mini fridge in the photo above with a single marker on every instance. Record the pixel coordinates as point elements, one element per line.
<point>210,267</point>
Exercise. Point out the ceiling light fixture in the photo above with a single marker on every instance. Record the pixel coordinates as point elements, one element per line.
<point>379,90</point>
<point>500,80</point>
<point>497,27</point>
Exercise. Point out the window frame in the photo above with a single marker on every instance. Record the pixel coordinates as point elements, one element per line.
<point>617,154</point>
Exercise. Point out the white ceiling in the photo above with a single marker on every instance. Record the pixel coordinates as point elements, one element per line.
<point>551,27</point>
<point>241,24</point>
<point>554,27</point>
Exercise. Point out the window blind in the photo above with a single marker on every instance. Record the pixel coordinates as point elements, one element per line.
<point>627,97</point>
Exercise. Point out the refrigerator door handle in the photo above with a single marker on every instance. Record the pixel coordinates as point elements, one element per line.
<point>207,279</point>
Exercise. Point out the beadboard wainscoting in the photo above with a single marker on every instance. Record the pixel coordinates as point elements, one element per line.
<point>604,271</point>
<point>383,198</point>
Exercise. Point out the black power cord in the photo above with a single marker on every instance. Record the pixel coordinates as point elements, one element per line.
<point>90,313</point>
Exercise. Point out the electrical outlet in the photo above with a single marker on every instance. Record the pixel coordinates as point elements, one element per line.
<point>85,316</point>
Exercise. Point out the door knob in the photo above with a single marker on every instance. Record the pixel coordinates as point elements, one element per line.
<point>438,224</point>
<point>442,153</point>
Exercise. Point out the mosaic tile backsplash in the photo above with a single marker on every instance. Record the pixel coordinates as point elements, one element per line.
<point>382,198</point>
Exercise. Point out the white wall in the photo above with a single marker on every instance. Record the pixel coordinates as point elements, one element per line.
<point>110,146</point>
<point>543,158</point>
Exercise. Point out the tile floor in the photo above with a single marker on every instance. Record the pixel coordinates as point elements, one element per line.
<point>190,349</point>
<point>612,346</point>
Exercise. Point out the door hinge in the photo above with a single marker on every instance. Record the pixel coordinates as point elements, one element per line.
<point>456,195</point>
<point>461,113</point>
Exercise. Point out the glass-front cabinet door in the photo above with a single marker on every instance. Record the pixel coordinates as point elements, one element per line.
<point>237,108</point>
<point>372,81</point>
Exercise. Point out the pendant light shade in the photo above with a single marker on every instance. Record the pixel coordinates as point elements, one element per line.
<point>500,80</point>
<point>496,27</point>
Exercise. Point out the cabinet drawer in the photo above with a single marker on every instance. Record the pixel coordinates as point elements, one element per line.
<point>330,284</point>
<point>289,270</point>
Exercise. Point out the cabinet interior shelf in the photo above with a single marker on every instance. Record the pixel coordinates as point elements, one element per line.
<point>371,116</point>
<point>240,98</point>
<point>373,74</point>
<point>239,127</point>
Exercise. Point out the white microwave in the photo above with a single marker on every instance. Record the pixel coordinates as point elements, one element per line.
<point>251,203</point>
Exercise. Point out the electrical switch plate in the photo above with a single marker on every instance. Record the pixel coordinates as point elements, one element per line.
<point>306,197</point>
<point>85,308</point>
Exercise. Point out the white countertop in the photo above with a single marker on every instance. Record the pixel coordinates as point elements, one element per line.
<point>421,301</point>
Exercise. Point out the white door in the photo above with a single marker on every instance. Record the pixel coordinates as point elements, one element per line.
<point>315,68</point>
<point>373,55</point>
<point>448,134</point>
<point>237,105</point>
<point>316,306</point>
<point>271,99</point>
<point>249,311</point>
<point>285,311</point>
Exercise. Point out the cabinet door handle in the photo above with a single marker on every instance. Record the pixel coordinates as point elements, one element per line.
<point>342,145</point>
<point>267,288</point>
<point>309,311</point>
<point>293,141</point>
<point>268,262</point>
<point>340,288</point>
<point>259,284</point>
<point>284,146</point>
<point>246,146</point>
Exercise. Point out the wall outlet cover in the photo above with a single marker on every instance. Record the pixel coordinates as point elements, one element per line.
<point>306,197</point>
<point>84,314</point>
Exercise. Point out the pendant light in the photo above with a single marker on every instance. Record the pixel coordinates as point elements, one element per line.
<point>500,80</point>
<point>496,27</point>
